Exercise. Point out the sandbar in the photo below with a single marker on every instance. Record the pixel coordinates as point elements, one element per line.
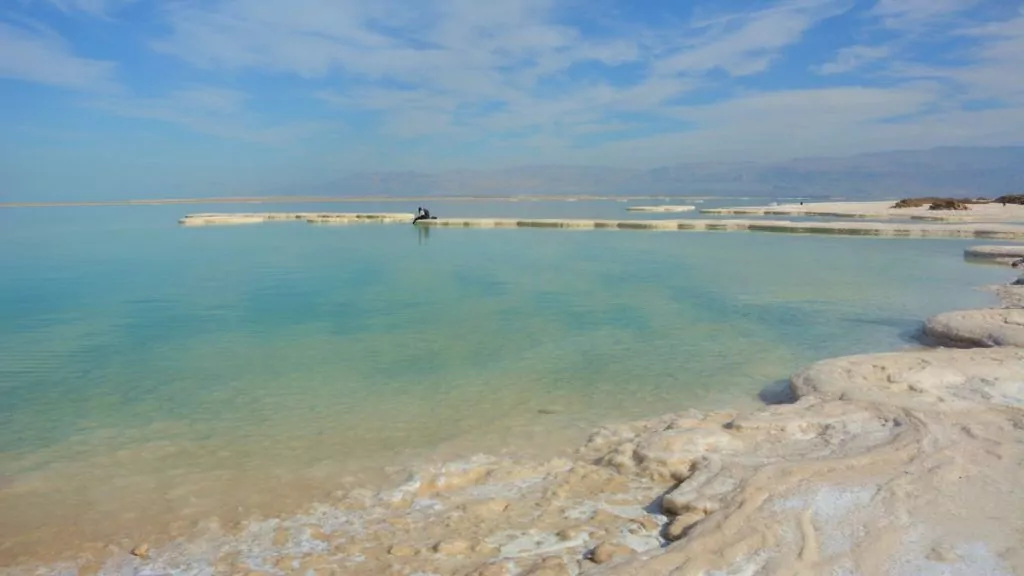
<point>664,208</point>
<point>1005,231</point>
<point>998,254</point>
<point>311,217</point>
<point>883,209</point>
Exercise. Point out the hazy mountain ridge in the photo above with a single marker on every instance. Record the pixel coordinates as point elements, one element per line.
<point>949,170</point>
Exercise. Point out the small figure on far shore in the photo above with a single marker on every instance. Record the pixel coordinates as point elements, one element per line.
<point>423,214</point>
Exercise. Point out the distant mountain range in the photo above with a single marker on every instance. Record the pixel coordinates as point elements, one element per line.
<point>957,171</point>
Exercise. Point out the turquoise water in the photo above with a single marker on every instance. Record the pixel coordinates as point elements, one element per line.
<point>285,354</point>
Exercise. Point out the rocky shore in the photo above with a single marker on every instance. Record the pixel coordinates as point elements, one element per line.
<point>895,463</point>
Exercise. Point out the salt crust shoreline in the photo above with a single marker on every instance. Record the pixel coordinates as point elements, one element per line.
<point>996,254</point>
<point>895,463</point>
<point>883,209</point>
<point>958,230</point>
<point>662,208</point>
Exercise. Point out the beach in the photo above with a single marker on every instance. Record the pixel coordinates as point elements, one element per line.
<point>883,209</point>
<point>892,462</point>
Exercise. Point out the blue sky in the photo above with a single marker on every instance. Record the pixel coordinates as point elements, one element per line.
<point>115,98</point>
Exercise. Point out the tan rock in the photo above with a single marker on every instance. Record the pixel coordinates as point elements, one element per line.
<point>486,508</point>
<point>317,533</point>
<point>346,548</point>
<point>680,525</point>
<point>485,549</point>
<point>141,551</point>
<point>674,454</point>
<point>325,571</point>
<point>939,379</point>
<point>604,518</point>
<point>503,568</point>
<point>399,523</point>
<point>550,566</point>
<point>607,551</point>
<point>358,499</point>
<point>977,328</point>
<point>318,564</point>
<point>281,538</point>
<point>402,550</point>
<point>452,547</point>
<point>566,534</point>
<point>943,554</point>
<point>285,563</point>
<point>648,524</point>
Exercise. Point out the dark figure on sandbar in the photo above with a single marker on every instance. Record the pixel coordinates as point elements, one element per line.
<point>423,214</point>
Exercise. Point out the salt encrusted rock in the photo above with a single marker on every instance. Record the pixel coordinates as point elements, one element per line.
<point>978,328</point>
<point>607,551</point>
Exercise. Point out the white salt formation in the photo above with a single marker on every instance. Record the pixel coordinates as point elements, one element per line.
<point>663,208</point>
<point>1004,231</point>
<point>1000,254</point>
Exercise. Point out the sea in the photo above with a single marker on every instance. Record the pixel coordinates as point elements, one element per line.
<point>153,376</point>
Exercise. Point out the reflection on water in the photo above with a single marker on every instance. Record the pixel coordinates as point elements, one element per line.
<point>153,375</point>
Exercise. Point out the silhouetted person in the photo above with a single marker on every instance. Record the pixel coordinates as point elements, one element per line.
<point>422,214</point>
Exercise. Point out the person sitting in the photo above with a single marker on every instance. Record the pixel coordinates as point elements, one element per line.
<point>423,214</point>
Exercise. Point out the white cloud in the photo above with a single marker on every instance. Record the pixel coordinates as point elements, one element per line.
<point>751,43</point>
<point>91,7</point>
<point>41,56</point>
<point>911,14</point>
<point>457,56</point>
<point>853,58</point>
<point>207,110</point>
<point>838,121</point>
<point>458,44</point>
<point>462,71</point>
<point>989,68</point>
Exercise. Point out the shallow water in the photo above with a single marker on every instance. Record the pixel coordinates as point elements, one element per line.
<point>153,375</point>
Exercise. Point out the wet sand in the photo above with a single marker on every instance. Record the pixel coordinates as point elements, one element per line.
<point>897,463</point>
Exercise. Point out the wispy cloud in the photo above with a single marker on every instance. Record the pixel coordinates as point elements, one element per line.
<point>547,79</point>
<point>917,14</point>
<point>39,55</point>
<point>207,110</point>
<point>853,58</point>
<point>92,7</point>
<point>987,66</point>
<point>749,43</point>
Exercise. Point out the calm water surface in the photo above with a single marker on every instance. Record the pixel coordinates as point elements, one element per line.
<point>152,374</point>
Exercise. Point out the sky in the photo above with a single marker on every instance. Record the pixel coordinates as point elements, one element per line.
<point>140,98</point>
